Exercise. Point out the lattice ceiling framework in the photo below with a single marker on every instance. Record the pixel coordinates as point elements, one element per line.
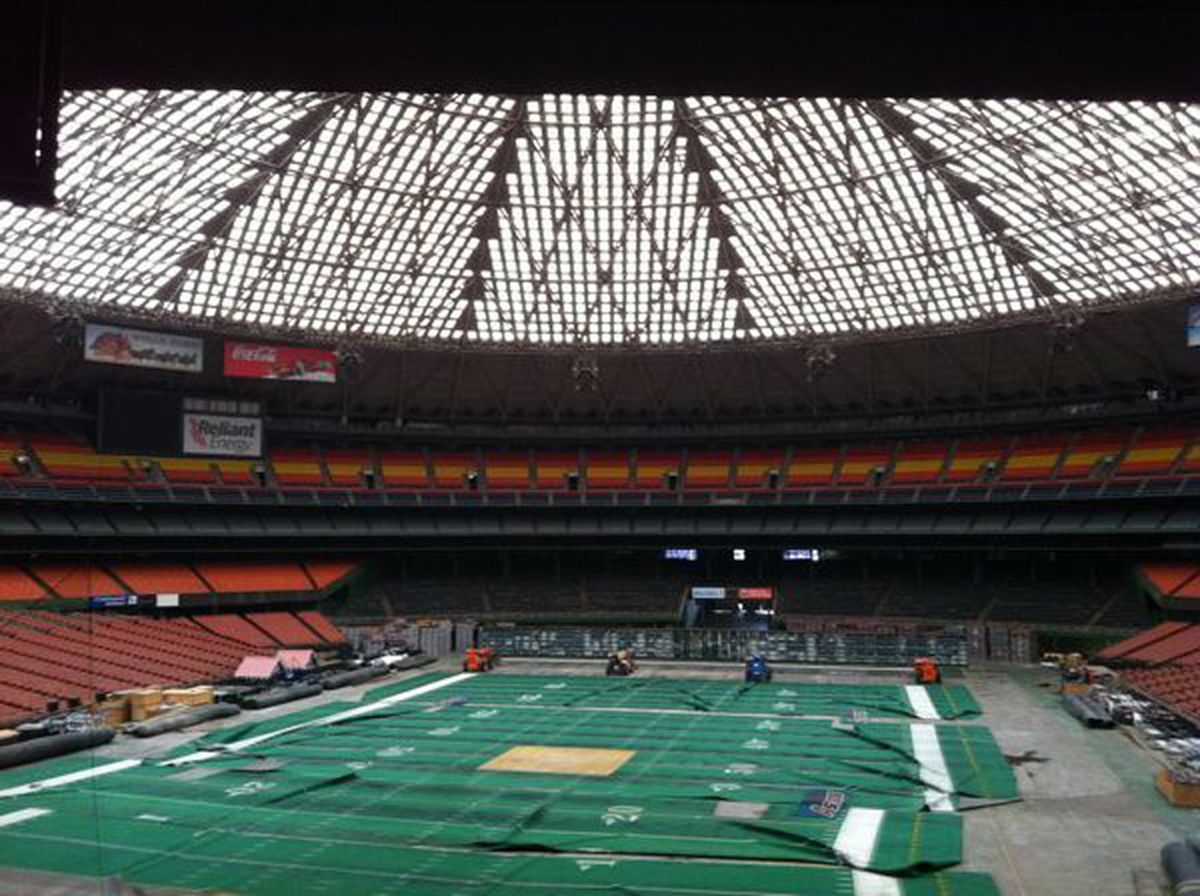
<point>575,220</point>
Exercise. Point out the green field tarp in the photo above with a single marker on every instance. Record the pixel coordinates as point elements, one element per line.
<point>388,789</point>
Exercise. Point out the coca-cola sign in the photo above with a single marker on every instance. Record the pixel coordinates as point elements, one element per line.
<point>756,594</point>
<point>217,434</point>
<point>260,361</point>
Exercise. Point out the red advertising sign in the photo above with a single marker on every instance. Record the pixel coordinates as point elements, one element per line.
<point>280,362</point>
<point>756,594</point>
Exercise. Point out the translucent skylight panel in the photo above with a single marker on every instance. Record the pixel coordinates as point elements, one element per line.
<point>364,213</point>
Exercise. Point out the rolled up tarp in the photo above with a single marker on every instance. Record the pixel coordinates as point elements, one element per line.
<point>275,696</point>
<point>353,676</point>
<point>1182,865</point>
<point>415,662</point>
<point>1091,712</point>
<point>52,745</point>
<point>183,718</point>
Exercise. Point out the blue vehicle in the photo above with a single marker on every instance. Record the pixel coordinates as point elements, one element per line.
<point>757,669</point>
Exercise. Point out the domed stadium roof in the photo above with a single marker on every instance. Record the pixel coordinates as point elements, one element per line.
<point>588,220</point>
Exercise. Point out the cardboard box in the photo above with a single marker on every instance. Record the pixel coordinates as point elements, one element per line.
<point>200,695</point>
<point>113,713</point>
<point>1178,793</point>
<point>144,703</point>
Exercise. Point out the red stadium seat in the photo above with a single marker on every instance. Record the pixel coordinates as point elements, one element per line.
<point>403,469</point>
<point>811,466</point>
<point>346,467</point>
<point>506,469</point>
<point>708,469</point>
<point>653,467</point>
<point>297,466</point>
<point>1034,457</point>
<point>753,467</point>
<point>607,470</point>
<point>920,462</point>
<point>552,468</point>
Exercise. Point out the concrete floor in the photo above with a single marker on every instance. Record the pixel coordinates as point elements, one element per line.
<point>1089,824</point>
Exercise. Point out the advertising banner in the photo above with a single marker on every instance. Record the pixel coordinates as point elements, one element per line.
<point>113,600</point>
<point>218,434</point>
<point>253,360</point>
<point>699,593</point>
<point>756,593</point>
<point>107,344</point>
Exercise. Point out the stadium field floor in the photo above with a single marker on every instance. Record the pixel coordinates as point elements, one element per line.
<point>506,784</point>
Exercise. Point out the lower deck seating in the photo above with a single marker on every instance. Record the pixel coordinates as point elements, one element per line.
<point>1178,686</point>
<point>54,660</point>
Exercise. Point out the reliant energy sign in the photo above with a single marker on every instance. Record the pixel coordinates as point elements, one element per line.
<point>254,360</point>
<point>107,344</point>
<point>226,436</point>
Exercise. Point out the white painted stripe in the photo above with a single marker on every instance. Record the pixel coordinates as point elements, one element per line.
<point>367,709</point>
<point>21,815</point>
<point>918,699</point>
<point>71,778</point>
<point>868,884</point>
<point>935,775</point>
<point>855,843</point>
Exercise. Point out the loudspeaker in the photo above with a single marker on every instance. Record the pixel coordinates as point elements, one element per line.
<point>30,89</point>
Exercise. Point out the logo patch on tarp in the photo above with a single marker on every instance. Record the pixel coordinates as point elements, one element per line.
<point>821,803</point>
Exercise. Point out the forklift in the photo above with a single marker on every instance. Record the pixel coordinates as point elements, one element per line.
<point>480,659</point>
<point>926,670</point>
<point>757,669</point>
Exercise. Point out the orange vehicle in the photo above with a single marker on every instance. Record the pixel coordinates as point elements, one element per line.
<point>926,670</point>
<point>479,659</point>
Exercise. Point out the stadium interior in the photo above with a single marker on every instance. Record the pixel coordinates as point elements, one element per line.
<point>442,459</point>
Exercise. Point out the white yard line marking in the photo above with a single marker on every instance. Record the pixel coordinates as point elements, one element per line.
<point>934,774</point>
<point>855,842</point>
<point>868,884</point>
<point>85,774</point>
<point>22,815</point>
<point>918,699</point>
<point>236,746</point>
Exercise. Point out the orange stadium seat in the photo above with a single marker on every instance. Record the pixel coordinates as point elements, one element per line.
<point>322,626</point>
<point>450,468</point>
<point>708,469</point>
<point>346,467</point>
<point>1154,451</point>
<point>73,580</point>
<point>506,469</point>
<point>1034,457</point>
<point>182,469</point>
<point>920,462</point>
<point>268,575</point>
<point>231,625</point>
<point>285,628</point>
<point>812,466</point>
<point>159,577</point>
<point>607,469</point>
<point>65,457</point>
<point>753,467</point>
<point>15,584</point>
<point>552,468</point>
<point>970,457</point>
<point>403,469</point>
<point>859,463</point>
<point>236,472</point>
<point>325,572</point>
<point>10,446</point>
<point>1089,450</point>
<point>1168,577</point>
<point>653,466</point>
<point>297,466</point>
